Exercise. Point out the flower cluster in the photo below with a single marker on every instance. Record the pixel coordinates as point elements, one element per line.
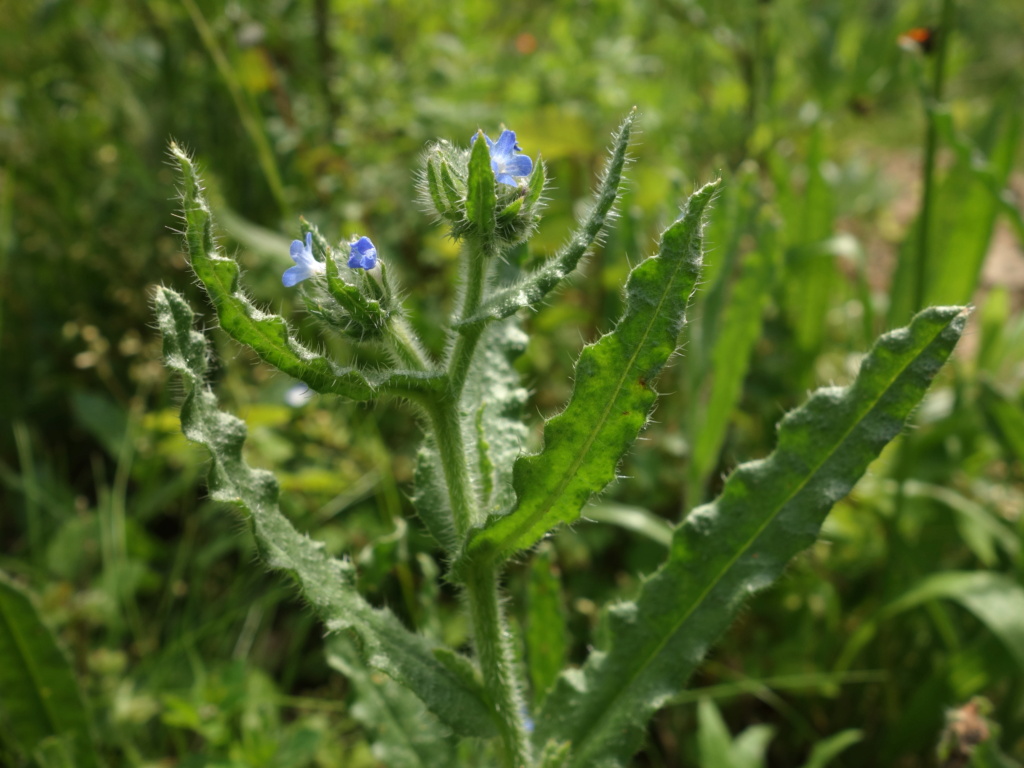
<point>362,255</point>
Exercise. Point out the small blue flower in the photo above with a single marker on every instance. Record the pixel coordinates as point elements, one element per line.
<point>363,254</point>
<point>506,165</point>
<point>305,264</point>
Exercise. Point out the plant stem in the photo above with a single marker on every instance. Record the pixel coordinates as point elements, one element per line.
<point>465,343</point>
<point>405,345</point>
<point>933,101</point>
<point>492,641</point>
<point>447,427</point>
<point>491,636</point>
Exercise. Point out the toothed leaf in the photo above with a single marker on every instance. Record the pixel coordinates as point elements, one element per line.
<point>612,398</point>
<point>769,510</point>
<point>326,583</point>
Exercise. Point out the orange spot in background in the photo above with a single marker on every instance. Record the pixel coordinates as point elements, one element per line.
<point>919,38</point>
<point>526,43</point>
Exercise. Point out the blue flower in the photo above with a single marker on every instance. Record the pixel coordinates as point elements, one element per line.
<point>363,254</point>
<point>505,164</point>
<point>305,264</point>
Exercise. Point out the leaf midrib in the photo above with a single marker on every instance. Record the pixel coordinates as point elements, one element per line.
<point>552,498</point>
<point>639,668</point>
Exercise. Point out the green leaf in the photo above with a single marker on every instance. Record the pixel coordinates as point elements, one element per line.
<point>996,600</point>
<point>612,398</point>
<point>811,274</point>
<point>714,742</point>
<point>480,198</point>
<point>1005,418</point>
<point>546,642</point>
<point>269,335</point>
<point>970,200</point>
<point>531,290</point>
<point>326,583</point>
<point>729,360</point>
<point>967,201</point>
<point>723,552</point>
<point>39,695</point>
<point>717,747</point>
<point>635,519</point>
<point>430,499</point>
<point>493,401</point>
<point>404,734</point>
<point>832,746</point>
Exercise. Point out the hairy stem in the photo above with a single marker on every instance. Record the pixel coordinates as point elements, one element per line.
<point>490,629</point>
<point>405,345</point>
<point>494,650</point>
<point>465,343</point>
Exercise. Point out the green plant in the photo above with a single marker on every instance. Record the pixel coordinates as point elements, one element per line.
<point>485,501</point>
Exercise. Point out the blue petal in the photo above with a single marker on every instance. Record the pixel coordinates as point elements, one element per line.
<point>309,242</point>
<point>504,178</point>
<point>294,275</point>
<point>297,249</point>
<point>520,165</point>
<point>363,254</point>
<point>505,144</point>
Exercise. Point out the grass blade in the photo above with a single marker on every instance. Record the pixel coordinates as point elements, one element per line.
<point>39,695</point>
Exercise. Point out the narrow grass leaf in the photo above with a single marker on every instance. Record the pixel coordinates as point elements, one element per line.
<point>531,290</point>
<point>970,200</point>
<point>39,695</point>
<point>996,600</point>
<point>739,329</point>
<point>1006,419</point>
<point>831,747</point>
<point>328,584</point>
<point>630,518</point>
<point>269,335</point>
<point>723,552</point>
<point>612,397</point>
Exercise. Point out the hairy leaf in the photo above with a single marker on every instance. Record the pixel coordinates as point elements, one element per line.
<point>480,197</point>
<point>612,398</point>
<point>326,583</point>
<point>531,289</point>
<point>547,643</point>
<point>430,499</point>
<point>39,695</point>
<point>404,735</point>
<point>769,510</point>
<point>269,335</point>
<point>492,404</point>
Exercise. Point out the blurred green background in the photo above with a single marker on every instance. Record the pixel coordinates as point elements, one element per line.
<point>817,120</point>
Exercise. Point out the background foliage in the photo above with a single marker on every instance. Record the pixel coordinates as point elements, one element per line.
<point>814,118</point>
